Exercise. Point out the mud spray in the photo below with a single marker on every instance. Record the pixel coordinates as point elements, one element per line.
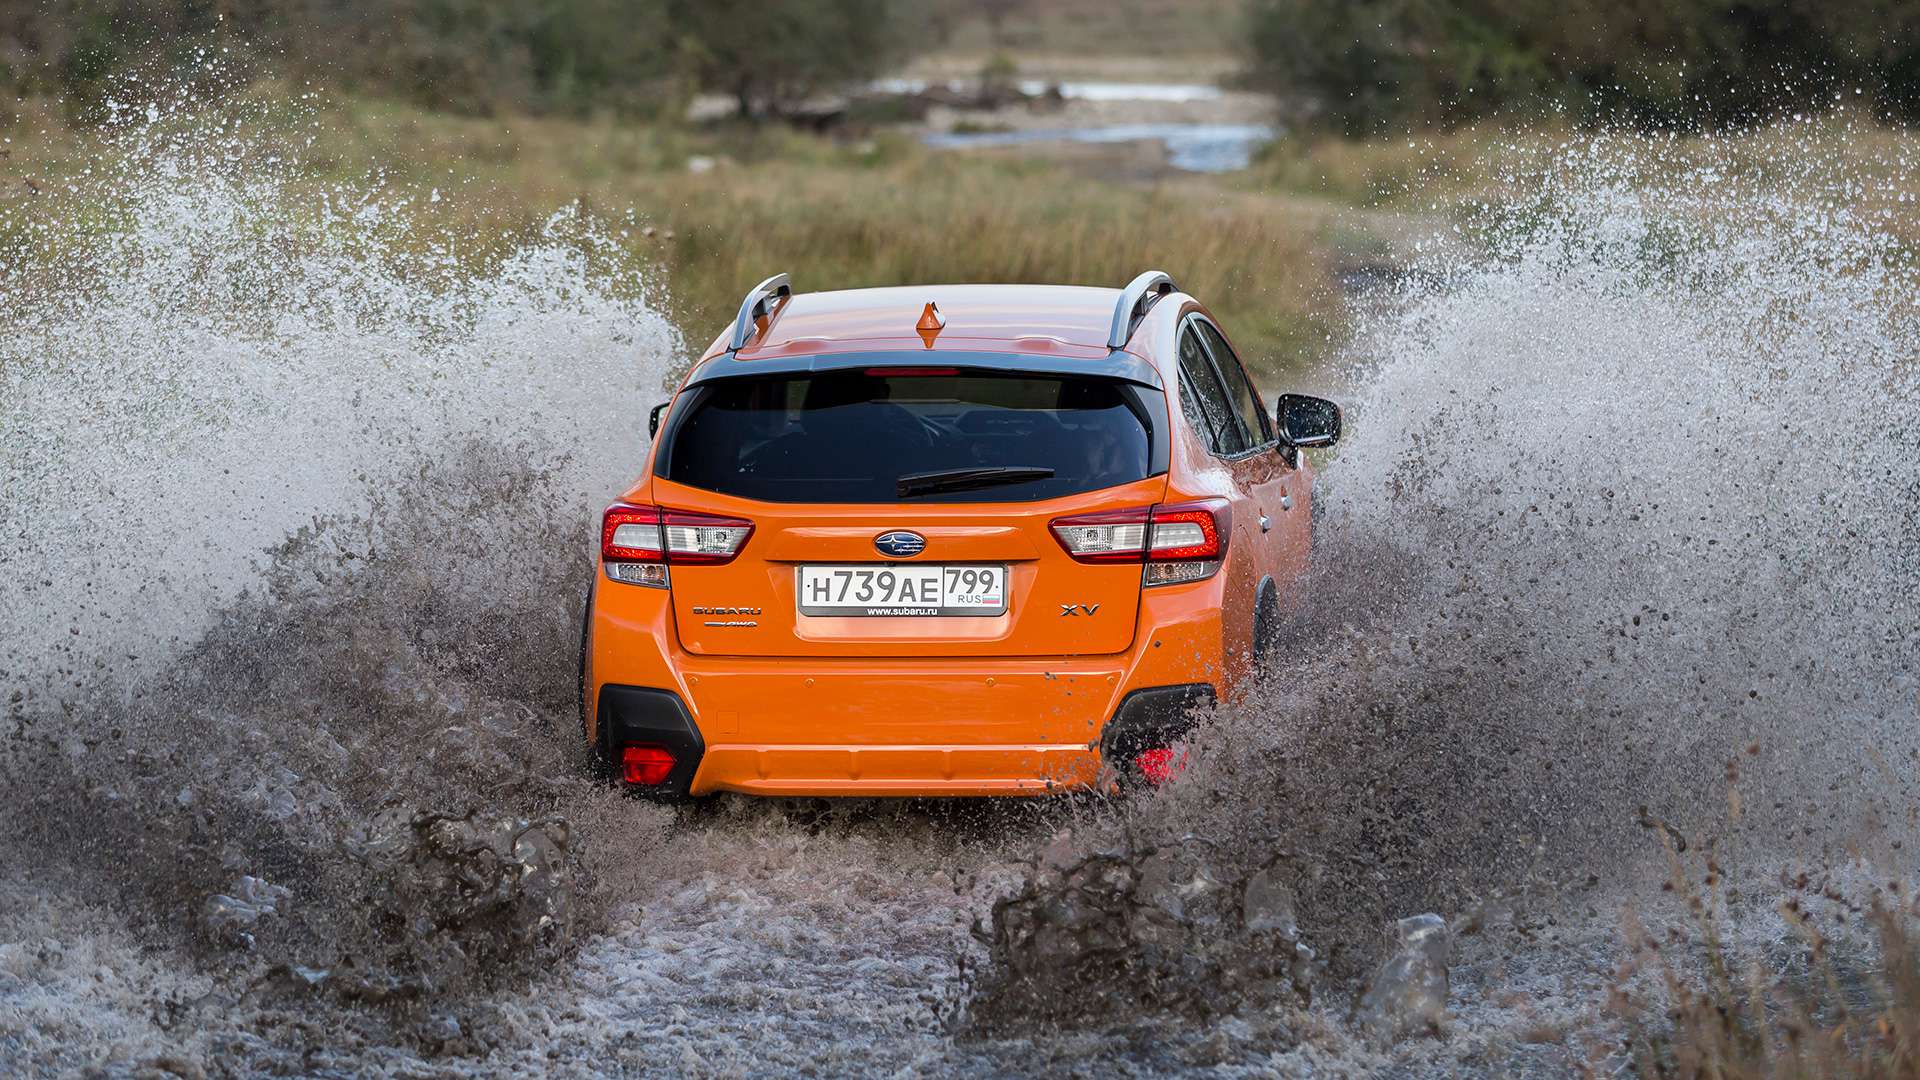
<point>298,510</point>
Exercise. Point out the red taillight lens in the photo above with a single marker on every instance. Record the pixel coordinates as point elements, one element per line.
<point>1162,763</point>
<point>1195,530</point>
<point>631,534</point>
<point>645,765</point>
<point>646,534</point>
<point>1117,536</point>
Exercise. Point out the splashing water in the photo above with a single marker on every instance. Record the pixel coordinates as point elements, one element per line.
<point>297,518</point>
<point>1629,508</point>
<point>297,510</point>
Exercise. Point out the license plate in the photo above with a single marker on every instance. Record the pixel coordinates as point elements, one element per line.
<point>902,591</point>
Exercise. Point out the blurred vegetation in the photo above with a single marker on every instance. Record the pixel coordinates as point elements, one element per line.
<point>471,56</point>
<point>1370,67</point>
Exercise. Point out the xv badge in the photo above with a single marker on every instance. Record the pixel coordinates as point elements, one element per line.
<point>1078,609</point>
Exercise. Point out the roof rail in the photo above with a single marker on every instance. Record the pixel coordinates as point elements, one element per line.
<point>758,302</point>
<point>1135,301</point>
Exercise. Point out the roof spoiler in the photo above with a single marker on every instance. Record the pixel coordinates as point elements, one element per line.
<point>1135,301</point>
<point>759,302</point>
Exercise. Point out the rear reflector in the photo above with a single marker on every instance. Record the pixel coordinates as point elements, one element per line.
<point>645,765</point>
<point>1161,763</point>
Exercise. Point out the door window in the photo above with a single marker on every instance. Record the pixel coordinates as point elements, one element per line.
<point>1246,402</point>
<point>1200,384</point>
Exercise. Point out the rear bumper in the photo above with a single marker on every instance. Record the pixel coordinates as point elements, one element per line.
<point>902,726</point>
<point>1147,717</point>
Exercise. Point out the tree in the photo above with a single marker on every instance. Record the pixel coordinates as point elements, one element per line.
<point>1374,65</point>
<point>771,57</point>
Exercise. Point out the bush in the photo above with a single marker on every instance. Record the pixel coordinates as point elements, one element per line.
<point>470,56</point>
<point>1371,66</point>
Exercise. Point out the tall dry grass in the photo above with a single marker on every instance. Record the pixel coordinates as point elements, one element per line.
<point>1451,172</point>
<point>1837,996</point>
<point>713,211</point>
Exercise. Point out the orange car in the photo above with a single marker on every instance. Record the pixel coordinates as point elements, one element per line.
<point>955,540</point>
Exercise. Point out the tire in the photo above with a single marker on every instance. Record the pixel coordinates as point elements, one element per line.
<point>1266,628</point>
<point>598,767</point>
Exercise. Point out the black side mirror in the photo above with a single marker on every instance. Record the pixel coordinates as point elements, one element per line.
<point>1307,422</point>
<point>653,419</point>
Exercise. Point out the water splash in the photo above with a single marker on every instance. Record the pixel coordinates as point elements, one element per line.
<point>297,517</point>
<point>297,498</point>
<point>1630,497</point>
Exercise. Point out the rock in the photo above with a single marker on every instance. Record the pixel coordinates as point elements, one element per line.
<point>1408,995</point>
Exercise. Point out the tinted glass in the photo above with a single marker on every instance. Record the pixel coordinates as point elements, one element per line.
<point>850,436</point>
<point>1246,403</point>
<point>1221,430</point>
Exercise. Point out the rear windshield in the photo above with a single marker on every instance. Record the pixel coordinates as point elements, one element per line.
<point>852,436</point>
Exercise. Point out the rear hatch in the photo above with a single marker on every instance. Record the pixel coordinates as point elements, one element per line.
<point>909,511</point>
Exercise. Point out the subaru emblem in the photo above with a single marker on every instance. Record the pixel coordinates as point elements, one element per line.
<point>900,544</point>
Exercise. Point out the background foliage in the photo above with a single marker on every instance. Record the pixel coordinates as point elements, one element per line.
<point>1372,66</point>
<point>470,56</point>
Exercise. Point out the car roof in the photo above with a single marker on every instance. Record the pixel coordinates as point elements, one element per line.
<point>1048,319</point>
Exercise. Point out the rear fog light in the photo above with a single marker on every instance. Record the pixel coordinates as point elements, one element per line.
<point>645,765</point>
<point>1162,763</point>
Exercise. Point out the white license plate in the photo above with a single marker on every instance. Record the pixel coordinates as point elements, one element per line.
<point>888,590</point>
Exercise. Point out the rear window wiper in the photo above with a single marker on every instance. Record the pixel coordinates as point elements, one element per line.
<point>967,479</point>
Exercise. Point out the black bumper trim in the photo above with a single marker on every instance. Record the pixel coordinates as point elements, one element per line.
<point>638,714</point>
<point>1152,717</point>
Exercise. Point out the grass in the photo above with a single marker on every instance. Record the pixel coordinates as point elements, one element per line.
<point>1838,997</point>
<point>1837,1009</point>
<point>1449,172</point>
<point>719,209</point>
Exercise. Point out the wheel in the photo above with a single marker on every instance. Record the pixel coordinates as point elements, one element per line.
<point>597,765</point>
<point>1266,627</point>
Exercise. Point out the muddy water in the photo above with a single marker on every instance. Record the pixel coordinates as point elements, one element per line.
<point>298,503</point>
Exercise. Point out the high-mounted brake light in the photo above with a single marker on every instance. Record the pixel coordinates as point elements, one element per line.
<point>909,372</point>
<point>637,543</point>
<point>1179,543</point>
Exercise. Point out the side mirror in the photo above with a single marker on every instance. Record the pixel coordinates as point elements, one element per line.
<point>1307,422</point>
<point>653,419</point>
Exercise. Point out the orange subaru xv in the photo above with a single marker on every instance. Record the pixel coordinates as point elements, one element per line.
<point>955,540</point>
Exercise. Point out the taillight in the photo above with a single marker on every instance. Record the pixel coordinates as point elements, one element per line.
<point>637,543</point>
<point>1179,542</point>
<point>702,538</point>
<point>1117,536</point>
<point>645,765</point>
